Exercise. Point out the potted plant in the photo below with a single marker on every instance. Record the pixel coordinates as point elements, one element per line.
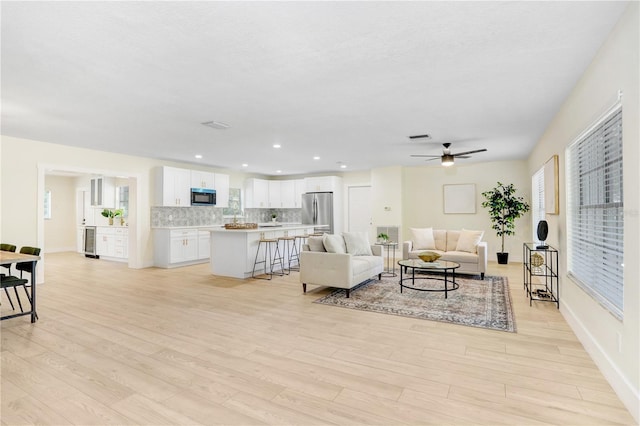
<point>119,213</point>
<point>504,208</point>
<point>274,216</point>
<point>382,237</point>
<point>108,213</point>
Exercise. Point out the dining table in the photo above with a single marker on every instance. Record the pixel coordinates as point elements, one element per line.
<point>7,258</point>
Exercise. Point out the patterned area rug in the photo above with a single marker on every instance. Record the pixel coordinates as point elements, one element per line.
<point>477,303</point>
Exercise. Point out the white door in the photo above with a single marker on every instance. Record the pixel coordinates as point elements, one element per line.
<point>360,211</point>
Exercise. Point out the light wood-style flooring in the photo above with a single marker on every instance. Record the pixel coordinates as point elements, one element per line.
<point>155,346</point>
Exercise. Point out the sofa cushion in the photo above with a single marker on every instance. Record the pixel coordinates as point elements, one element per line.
<point>452,240</point>
<point>357,243</point>
<point>423,238</point>
<point>440,236</point>
<point>460,257</point>
<point>469,240</point>
<point>334,243</point>
<point>315,244</point>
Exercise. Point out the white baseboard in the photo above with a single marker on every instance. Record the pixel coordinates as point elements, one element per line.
<point>60,249</point>
<point>625,390</point>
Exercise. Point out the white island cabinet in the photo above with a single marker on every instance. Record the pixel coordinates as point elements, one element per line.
<point>175,247</point>
<point>233,251</point>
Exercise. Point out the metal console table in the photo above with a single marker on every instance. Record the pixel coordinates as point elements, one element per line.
<point>540,273</point>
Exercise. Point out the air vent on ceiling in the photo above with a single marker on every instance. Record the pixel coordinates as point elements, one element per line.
<point>216,125</point>
<point>420,137</point>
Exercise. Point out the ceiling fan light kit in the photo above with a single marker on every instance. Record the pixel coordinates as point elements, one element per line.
<point>447,157</point>
<point>447,160</point>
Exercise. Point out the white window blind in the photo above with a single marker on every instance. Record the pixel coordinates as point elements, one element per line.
<point>537,201</point>
<point>595,212</point>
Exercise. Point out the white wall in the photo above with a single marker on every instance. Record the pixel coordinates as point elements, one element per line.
<point>423,207</point>
<point>60,230</point>
<point>22,177</point>
<point>613,344</point>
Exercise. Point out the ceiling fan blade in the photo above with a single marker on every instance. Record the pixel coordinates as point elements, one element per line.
<point>469,152</point>
<point>462,156</point>
<point>431,159</point>
<point>420,155</point>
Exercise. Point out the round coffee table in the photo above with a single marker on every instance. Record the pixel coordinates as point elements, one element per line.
<point>444,266</point>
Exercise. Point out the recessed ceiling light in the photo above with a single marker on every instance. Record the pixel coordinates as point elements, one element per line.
<point>316,158</point>
<point>245,165</point>
<point>343,166</point>
<point>278,171</point>
<point>219,125</point>
<point>276,145</point>
<point>198,156</point>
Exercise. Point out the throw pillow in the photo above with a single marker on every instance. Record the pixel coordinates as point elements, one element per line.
<point>315,244</point>
<point>357,243</point>
<point>423,239</point>
<point>333,243</point>
<point>469,240</point>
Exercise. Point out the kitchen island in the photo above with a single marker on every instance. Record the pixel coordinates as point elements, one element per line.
<point>233,251</point>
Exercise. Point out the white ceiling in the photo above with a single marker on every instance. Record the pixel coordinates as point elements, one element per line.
<point>346,81</point>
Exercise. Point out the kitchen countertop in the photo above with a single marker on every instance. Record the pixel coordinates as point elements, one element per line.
<point>284,227</point>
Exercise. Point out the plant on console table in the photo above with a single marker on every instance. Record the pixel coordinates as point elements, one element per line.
<point>504,208</point>
<point>111,214</point>
<point>274,217</point>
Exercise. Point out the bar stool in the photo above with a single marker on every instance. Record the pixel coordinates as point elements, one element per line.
<point>271,257</point>
<point>300,241</point>
<point>289,247</point>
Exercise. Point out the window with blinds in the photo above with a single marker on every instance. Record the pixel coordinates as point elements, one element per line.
<point>537,201</point>
<point>595,212</point>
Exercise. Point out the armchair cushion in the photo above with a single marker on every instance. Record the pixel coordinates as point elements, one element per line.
<point>357,243</point>
<point>315,244</point>
<point>334,243</point>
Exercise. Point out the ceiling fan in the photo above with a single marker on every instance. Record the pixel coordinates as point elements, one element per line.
<point>447,156</point>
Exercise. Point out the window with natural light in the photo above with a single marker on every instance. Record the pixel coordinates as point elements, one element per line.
<point>595,211</point>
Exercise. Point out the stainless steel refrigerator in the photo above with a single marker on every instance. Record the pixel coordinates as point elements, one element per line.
<point>317,210</point>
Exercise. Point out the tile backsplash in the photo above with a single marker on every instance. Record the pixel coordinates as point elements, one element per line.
<point>206,216</point>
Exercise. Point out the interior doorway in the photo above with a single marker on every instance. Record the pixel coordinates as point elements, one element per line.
<point>360,212</point>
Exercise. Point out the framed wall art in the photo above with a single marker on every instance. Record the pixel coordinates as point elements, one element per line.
<point>459,198</point>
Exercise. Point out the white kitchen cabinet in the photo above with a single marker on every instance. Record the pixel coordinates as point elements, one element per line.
<point>201,179</point>
<point>173,187</point>
<point>287,194</point>
<point>221,185</point>
<point>204,245</point>
<point>299,189</point>
<point>103,192</point>
<point>256,193</point>
<point>112,242</point>
<point>275,199</point>
<point>323,183</point>
<point>176,247</point>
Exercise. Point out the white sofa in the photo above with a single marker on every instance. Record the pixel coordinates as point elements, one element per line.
<point>472,255</point>
<point>340,270</point>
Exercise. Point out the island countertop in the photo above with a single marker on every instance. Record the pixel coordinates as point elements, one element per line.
<point>263,228</point>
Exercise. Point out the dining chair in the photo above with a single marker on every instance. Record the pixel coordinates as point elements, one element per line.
<point>27,266</point>
<point>11,248</point>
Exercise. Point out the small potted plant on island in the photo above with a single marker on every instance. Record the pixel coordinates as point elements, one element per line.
<point>274,217</point>
<point>504,208</point>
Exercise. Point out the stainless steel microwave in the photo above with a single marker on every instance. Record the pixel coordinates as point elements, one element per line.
<point>203,197</point>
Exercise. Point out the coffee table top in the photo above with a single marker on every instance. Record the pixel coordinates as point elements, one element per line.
<point>419,264</point>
